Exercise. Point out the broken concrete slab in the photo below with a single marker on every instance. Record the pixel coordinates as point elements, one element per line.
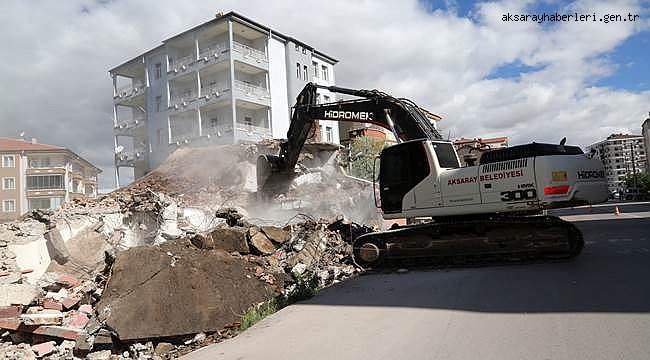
<point>56,246</point>
<point>226,238</point>
<point>204,291</point>
<point>23,294</point>
<point>44,317</point>
<point>261,243</point>
<point>276,234</point>
<point>45,348</point>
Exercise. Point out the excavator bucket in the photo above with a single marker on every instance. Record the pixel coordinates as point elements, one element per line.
<point>272,179</point>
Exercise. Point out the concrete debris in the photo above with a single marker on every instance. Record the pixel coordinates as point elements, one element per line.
<point>171,262</point>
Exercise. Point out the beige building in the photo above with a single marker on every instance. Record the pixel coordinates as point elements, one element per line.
<point>621,154</point>
<point>470,150</point>
<point>40,176</point>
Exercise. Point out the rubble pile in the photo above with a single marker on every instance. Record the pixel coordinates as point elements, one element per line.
<point>173,261</point>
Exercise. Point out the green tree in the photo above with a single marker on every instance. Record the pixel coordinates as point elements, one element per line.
<point>363,150</point>
<point>638,180</point>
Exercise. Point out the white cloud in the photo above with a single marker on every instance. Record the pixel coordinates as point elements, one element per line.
<point>56,56</point>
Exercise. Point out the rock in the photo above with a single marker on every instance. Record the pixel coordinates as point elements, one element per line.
<point>23,294</point>
<point>226,238</point>
<point>86,309</point>
<point>52,304</point>
<point>45,348</point>
<point>56,246</point>
<point>203,292</point>
<point>11,278</point>
<point>164,348</point>
<point>276,234</point>
<point>75,320</point>
<point>299,268</point>
<point>99,355</point>
<point>262,243</point>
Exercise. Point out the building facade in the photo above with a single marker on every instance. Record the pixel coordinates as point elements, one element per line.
<point>470,150</point>
<point>40,176</point>
<point>225,81</point>
<point>621,154</point>
<point>645,132</point>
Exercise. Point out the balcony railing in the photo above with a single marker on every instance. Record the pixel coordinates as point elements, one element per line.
<point>182,63</point>
<point>218,130</point>
<point>184,136</point>
<point>130,89</point>
<point>249,89</point>
<point>213,51</point>
<point>183,97</point>
<point>215,90</point>
<point>130,124</point>
<point>253,130</point>
<point>249,52</point>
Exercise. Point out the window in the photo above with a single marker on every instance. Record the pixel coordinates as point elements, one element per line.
<point>8,183</point>
<point>42,162</point>
<point>158,70</point>
<point>305,73</point>
<point>45,203</point>
<point>304,51</point>
<point>158,102</point>
<point>317,98</point>
<point>45,182</point>
<point>320,132</point>
<point>9,205</point>
<point>315,66</point>
<point>298,70</point>
<point>297,47</point>
<point>326,99</point>
<point>248,121</point>
<point>328,134</point>
<point>159,136</point>
<point>8,161</point>
<point>325,73</point>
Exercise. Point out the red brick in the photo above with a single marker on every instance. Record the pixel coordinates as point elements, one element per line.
<point>45,348</point>
<point>69,303</point>
<point>87,309</point>
<point>52,330</point>
<point>10,311</point>
<point>26,271</point>
<point>10,323</point>
<point>52,304</point>
<point>76,320</point>
<point>68,280</point>
<point>4,273</point>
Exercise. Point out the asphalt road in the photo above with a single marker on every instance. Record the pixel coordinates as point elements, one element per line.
<point>596,307</point>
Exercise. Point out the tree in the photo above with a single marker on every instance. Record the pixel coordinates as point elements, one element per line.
<point>363,151</point>
<point>640,181</point>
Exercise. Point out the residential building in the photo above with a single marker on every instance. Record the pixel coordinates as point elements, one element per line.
<point>470,150</point>
<point>621,154</point>
<point>225,81</point>
<point>40,176</point>
<point>645,132</point>
<point>351,130</point>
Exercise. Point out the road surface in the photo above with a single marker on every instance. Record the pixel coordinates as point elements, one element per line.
<point>596,307</point>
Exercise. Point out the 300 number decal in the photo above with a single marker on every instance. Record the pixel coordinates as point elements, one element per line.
<point>518,195</point>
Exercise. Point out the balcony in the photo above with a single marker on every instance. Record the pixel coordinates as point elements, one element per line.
<point>215,93</point>
<point>129,158</point>
<point>249,55</point>
<point>130,91</point>
<point>181,65</point>
<point>213,54</point>
<point>252,93</point>
<point>182,99</point>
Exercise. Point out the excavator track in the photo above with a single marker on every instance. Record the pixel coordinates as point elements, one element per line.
<point>469,242</point>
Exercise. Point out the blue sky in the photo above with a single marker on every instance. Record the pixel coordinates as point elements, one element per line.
<point>629,62</point>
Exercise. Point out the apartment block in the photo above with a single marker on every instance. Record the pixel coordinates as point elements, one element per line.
<point>225,81</point>
<point>621,154</point>
<point>470,150</point>
<point>645,132</point>
<point>40,176</point>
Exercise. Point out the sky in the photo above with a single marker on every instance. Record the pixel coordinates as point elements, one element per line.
<point>486,77</point>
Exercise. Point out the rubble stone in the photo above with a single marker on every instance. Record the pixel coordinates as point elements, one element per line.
<point>276,234</point>
<point>204,291</point>
<point>262,243</point>
<point>163,348</point>
<point>227,238</point>
<point>45,317</point>
<point>45,348</point>
<point>99,355</point>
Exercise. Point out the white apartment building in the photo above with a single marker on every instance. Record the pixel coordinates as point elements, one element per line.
<point>225,81</point>
<point>621,154</point>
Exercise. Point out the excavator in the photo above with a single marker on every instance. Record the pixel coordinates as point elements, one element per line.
<point>494,208</point>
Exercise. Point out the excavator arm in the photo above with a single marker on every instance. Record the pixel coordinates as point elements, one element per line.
<point>401,116</point>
